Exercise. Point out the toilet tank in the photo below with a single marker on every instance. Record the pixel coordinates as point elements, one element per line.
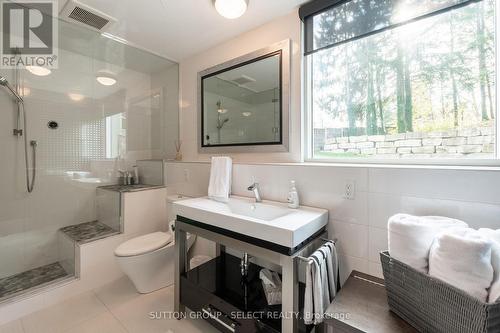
<point>170,200</point>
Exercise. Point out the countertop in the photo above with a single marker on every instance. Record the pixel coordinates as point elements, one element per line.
<point>289,230</point>
<point>361,307</point>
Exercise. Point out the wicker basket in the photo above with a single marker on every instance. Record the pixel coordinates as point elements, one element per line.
<point>431,305</point>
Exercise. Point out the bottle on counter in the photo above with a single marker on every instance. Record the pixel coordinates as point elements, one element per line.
<point>136,174</point>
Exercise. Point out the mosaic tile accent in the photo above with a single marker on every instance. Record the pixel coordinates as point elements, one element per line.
<point>88,231</point>
<point>130,188</point>
<point>9,286</point>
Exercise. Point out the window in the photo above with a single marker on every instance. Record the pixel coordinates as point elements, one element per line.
<point>401,79</point>
<point>115,135</point>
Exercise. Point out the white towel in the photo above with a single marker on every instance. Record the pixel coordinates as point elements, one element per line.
<point>411,237</point>
<point>462,258</point>
<point>494,236</point>
<point>221,170</point>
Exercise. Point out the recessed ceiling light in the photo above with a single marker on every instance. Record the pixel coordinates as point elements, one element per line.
<point>220,109</point>
<point>25,91</point>
<point>75,97</point>
<point>37,70</point>
<point>105,79</point>
<point>231,9</point>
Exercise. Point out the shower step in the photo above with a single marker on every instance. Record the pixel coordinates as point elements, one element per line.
<point>32,280</point>
<point>87,232</point>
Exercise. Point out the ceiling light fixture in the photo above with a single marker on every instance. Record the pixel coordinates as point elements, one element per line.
<point>39,71</point>
<point>105,79</point>
<point>25,91</point>
<point>231,9</point>
<point>220,109</point>
<point>75,97</point>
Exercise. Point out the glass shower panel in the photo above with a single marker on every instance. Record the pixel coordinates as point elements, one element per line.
<point>101,129</point>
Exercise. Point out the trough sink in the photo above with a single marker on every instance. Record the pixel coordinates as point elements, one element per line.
<point>268,220</point>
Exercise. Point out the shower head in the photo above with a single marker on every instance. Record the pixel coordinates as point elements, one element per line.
<point>5,83</point>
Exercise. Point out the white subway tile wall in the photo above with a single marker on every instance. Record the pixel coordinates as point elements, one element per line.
<point>360,224</point>
<point>29,222</point>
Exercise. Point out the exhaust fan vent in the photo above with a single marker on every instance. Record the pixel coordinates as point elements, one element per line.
<point>86,17</point>
<point>75,11</point>
<point>243,79</point>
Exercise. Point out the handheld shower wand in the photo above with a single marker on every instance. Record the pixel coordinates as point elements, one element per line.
<point>30,183</point>
<point>5,83</point>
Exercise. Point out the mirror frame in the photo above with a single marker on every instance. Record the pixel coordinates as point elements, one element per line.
<point>284,48</point>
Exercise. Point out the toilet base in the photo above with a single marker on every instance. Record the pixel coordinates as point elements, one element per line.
<point>151,271</point>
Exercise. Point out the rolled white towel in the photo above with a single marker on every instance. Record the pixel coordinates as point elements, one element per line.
<point>411,237</point>
<point>494,236</point>
<point>462,258</point>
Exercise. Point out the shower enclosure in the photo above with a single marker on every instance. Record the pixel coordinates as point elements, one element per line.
<point>86,129</point>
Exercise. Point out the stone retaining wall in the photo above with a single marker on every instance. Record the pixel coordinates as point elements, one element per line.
<point>473,142</point>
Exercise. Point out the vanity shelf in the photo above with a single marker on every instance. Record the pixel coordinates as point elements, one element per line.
<point>216,287</point>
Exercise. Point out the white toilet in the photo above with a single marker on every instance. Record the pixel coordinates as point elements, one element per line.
<point>148,260</point>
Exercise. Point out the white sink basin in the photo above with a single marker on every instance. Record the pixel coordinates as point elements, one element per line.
<point>258,210</point>
<point>268,220</point>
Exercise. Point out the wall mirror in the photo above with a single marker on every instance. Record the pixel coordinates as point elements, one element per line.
<point>244,103</point>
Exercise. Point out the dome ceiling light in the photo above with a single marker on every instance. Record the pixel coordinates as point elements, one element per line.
<point>38,70</point>
<point>105,79</point>
<point>231,9</point>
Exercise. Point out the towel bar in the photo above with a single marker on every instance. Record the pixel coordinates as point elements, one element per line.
<point>326,240</point>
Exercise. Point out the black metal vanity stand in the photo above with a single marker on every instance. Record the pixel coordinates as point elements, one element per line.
<point>217,308</point>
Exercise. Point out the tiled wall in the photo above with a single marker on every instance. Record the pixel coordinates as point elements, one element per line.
<point>29,222</point>
<point>361,224</point>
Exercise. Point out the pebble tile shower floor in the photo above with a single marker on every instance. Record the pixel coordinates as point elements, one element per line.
<point>12,285</point>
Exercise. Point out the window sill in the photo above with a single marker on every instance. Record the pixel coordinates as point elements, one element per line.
<point>492,165</point>
<point>473,165</point>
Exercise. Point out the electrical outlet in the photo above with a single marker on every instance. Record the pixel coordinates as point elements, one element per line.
<point>186,175</point>
<point>349,190</point>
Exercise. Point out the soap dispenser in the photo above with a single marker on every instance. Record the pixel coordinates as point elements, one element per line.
<point>293,196</point>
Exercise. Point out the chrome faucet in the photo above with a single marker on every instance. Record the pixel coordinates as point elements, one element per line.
<point>255,188</point>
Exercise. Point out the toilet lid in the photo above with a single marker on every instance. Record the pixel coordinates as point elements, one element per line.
<point>143,244</point>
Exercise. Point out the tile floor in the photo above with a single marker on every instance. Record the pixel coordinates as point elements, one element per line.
<point>113,308</point>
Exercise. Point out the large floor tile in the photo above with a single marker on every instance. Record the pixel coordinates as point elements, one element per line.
<point>103,323</point>
<point>12,327</point>
<point>190,325</point>
<point>135,314</point>
<point>151,314</point>
<point>117,293</point>
<point>65,315</point>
